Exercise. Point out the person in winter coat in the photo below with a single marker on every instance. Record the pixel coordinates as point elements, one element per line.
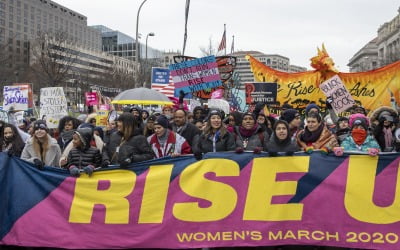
<point>343,129</point>
<point>250,135</point>
<point>293,118</point>
<point>165,142</point>
<point>315,135</point>
<point>83,156</point>
<point>67,126</point>
<point>359,139</point>
<point>12,142</point>
<point>182,127</point>
<point>41,149</point>
<point>128,144</point>
<point>149,127</point>
<point>384,131</point>
<point>280,140</point>
<point>214,138</point>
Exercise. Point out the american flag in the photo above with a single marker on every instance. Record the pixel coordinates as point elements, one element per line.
<point>222,44</point>
<point>166,89</point>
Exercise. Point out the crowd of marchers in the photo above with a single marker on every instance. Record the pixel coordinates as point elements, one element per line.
<point>138,135</point>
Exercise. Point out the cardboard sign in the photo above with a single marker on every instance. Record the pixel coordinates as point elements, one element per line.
<point>264,92</point>
<point>341,97</point>
<point>16,97</point>
<point>53,105</point>
<point>195,75</point>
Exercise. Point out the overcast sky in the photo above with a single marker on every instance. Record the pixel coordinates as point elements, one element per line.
<point>291,28</point>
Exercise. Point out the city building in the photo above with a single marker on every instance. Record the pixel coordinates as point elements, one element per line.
<point>382,50</point>
<point>274,61</point>
<point>26,25</point>
<point>119,44</point>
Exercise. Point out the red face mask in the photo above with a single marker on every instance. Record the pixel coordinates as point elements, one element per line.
<point>359,135</point>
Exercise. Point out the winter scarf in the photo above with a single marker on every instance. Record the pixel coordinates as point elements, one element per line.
<point>309,137</point>
<point>248,132</point>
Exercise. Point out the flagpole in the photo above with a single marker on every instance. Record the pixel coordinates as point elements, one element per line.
<point>232,47</point>
<point>225,36</point>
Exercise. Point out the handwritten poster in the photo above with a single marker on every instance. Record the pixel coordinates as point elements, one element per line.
<point>334,88</point>
<point>53,105</point>
<point>15,97</point>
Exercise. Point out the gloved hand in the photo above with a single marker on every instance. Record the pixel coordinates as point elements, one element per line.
<point>198,156</point>
<point>181,96</point>
<point>38,163</point>
<point>74,171</point>
<point>309,149</point>
<point>289,153</point>
<point>257,150</point>
<point>125,163</point>
<point>373,151</point>
<point>273,154</point>
<point>89,170</point>
<point>328,102</point>
<point>324,150</point>
<point>105,163</point>
<point>338,151</point>
<point>239,150</point>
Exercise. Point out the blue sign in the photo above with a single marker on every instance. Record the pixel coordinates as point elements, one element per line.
<point>159,75</point>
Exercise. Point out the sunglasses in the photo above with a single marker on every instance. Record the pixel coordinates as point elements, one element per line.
<point>41,126</point>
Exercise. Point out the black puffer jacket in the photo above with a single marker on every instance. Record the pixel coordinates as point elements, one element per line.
<point>136,148</point>
<point>84,155</point>
<point>204,144</point>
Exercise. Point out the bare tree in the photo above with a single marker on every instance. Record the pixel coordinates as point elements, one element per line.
<point>53,58</point>
<point>209,50</point>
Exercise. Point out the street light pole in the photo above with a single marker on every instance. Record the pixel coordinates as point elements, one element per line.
<point>136,41</point>
<point>150,34</point>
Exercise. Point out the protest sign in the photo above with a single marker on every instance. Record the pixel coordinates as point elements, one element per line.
<point>341,97</point>
<point>196,75</point>
<point>217,94</point>
<point>16,97</point>
<point>159,75</point>
<point>264,92</point>
<point>101,117</point>
<point>53,105</point>
<point>91,98</point>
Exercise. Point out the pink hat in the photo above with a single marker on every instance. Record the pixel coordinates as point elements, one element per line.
<point>358,116</point>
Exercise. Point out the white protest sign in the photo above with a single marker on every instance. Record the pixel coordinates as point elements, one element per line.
<point>15,97</point>
<point>53,105</point>
<point>219,104</point>
<point>194,103</point>
<point>341,97</point>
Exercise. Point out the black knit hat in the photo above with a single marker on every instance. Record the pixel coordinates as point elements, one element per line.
<point>289,115</point>
<point>214,112</point>
<point>40,124</point>
<point>162,120</point>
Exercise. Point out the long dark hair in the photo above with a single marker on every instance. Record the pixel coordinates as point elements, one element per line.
<point>17,142</point>
<point>129,123</point>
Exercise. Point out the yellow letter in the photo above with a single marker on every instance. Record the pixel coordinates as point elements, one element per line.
<point>223,197</point>
<point>263,187</point>
<point>360,185</point>
<point>121,184</point>
<point>155,194</point>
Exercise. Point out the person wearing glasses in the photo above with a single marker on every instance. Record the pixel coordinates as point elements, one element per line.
<point>41,149</point>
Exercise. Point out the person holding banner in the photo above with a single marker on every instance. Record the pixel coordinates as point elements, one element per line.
<point>316,135</point>
<point>67,127</point>
<point>214,138</point>
<point>165,142</point>
<point>359,139</point>
<point>12,143</point>
<point>41,149</point>
<point>250,135</point>
<point>127,145</point>
<point>281,140</point>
